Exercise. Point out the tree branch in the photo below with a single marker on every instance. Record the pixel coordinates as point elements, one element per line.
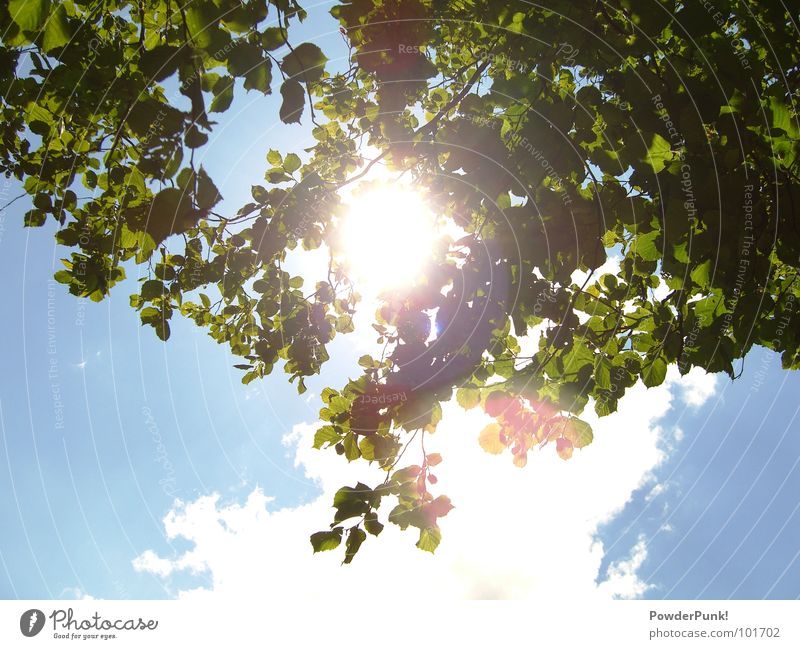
<point>425,128</point>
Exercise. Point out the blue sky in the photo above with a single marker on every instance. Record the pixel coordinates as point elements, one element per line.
<point>729,493</point>
<point>103,426</point>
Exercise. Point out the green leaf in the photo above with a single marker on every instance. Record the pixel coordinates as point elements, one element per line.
<point>351,450</point>
<point>468,397</point>
<point>160,63</point>
<point>429,538</point>
<point>259,193</point>
<point>646,247</point>
<point>152,288</point>
<point>582,435</point>
<point>372,525</point>
<point>42,201</point>
<point>367,448</point>
<point>709,308</point>
<point>30,15</point>
<point>326,435</point>
<point>604,406</point>
<point>194,137</point>
<point>243,58</point>
<point>602,373</point>
<point>146,244</point>
<point>34,218</point>
<point>305,62</point>
<point>782,117</point>
<point>350,509</point>
<point>324,541</point>
<point>292,163</point>
<point>223,99</point>
<point>149,314</point>
<point>260,77</point>
<point>207,193</point>
<point>200,22</point>
<point>63,277</point>
<point>654,372</point>
<point>294,98</point>
<point>701,274</point>
<point>162,328</point>
<point>659,152</point>
<point>272,38</point>
<point>352,494</point>
<point>57,31</point>
<point>355,537</point>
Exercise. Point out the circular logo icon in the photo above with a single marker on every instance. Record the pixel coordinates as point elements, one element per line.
<point>31,622</point>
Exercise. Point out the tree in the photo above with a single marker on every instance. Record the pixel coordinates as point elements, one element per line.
<point>552,133</point>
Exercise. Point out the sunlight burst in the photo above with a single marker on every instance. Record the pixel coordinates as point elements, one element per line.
<point>386,236</point>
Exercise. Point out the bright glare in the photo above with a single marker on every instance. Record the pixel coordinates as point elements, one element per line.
<point>386,236</point>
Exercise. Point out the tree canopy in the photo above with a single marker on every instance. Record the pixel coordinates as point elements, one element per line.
<point>556,135</point>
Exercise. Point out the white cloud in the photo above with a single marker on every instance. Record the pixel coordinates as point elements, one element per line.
<point>149,561</point>
<point>513,534</point>
<point>697,387</point>
<point>622,579</point>
<point>656,491</point>
<point>74,593</point>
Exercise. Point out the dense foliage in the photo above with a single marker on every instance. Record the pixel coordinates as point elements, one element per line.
<point>554,134</point>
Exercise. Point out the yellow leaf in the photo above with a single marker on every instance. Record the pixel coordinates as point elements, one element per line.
<point>557,426</point>
<point>564,448</point>
<point>490,439</point>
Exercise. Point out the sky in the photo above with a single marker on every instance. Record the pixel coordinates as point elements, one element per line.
<point>133,468</point>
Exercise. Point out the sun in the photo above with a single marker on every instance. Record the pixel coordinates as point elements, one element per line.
<point>386,236</point>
